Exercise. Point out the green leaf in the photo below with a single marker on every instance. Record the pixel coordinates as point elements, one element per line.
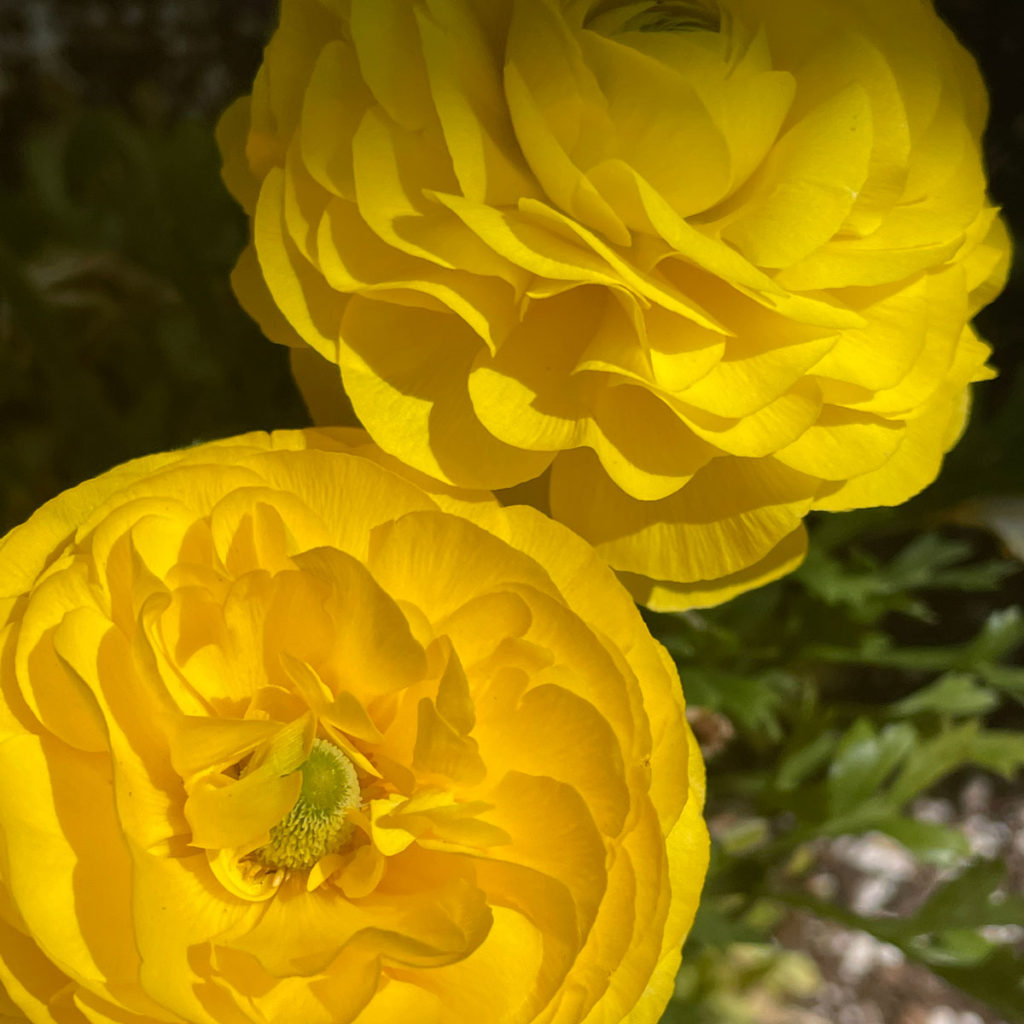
<point>1001,752</point>
<point>998,751</point>
<point>864,761</point>
<point>955,693</point>
<point>751,702</point>
<point>716,926</point>
<point>1009,678</point>
<point>955,947</point>
<point>834,583</point>
<point>920,563</point>
<point>934,844</point>
<point>878,649</point>
<point>998,981</point>
<point>869,589</point>
<point>1002,633</point>
<point>934,760</point>
<point>743,836</point>
<point>931,561</point>
<point>800,764</point>
<point>968,901</point>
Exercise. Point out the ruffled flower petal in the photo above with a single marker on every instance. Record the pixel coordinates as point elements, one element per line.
<point>302,734</point>
<point>524,229</point>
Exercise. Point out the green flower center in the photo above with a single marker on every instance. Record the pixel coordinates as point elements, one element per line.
<point>677,16</point>
<point>318,823</point>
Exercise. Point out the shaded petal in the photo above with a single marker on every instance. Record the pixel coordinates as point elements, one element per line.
<point>200,744</point>
<point>72,893</point>
<point>947,313</point>
<point>914,465</point>
<point>880,354</point>
<point>31,982</point>
<point>232,131</point>
<point>362,613</point>
<point>380,31</point>
<point>335,101</point>
<point>727,518</point>
<point>52,639</point>
<point>420,558</point>
<point>688,851</point>
<point>802,193</point>
<point>843,443</point>
<point>403,1000</point>
<point>553,833</point>
<point>667,596</point>
<point>658,137</point>
<point>414,398</point>
<point>227,813</point>
<point>624,420</point>
<point>774,426</point>
<point>468,93</point>
<point>501,972</point>
<point>442,752</point>
<point>350,495</point>
<point>312,308</point>
<point>167,940</point>
<point>554,102</point>
<point>556,733</point>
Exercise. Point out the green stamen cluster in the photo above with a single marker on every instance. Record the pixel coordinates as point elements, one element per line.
<point>318,823</point>
<point>677,16</point>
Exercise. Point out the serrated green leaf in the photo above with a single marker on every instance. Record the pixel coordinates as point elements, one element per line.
<point>977,578</point>
<point>920,562</point>
<point>751,702</point>
<point>834,583</point>
<point>933,760</point>
<point>877,649</point>
<point>998,751</point>
<point>869,589</point>
<point>1001,752</point>
<point>955,693</point>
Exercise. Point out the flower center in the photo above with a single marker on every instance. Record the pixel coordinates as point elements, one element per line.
<point>318,823</point>
<point>677,16</point>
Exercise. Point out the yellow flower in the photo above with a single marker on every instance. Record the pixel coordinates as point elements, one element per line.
<point>290,735</point>
<point>700,266</point>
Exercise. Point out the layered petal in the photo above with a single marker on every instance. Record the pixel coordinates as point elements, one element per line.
<point>673,235</point>
<point>300,733</point>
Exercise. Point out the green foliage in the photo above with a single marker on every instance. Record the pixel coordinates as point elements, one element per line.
<point>863,682</point>
<point>119,334</point>
<point>742,983</point>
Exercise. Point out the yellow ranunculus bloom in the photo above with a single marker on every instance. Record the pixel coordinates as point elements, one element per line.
<point>291,735</point>
<point>700,267</point>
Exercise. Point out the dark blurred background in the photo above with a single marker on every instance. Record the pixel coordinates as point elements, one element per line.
<point>119,334</point>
